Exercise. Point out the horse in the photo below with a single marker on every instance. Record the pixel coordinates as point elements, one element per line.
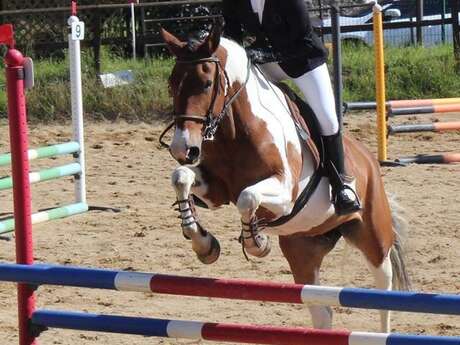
<point>236,142</point>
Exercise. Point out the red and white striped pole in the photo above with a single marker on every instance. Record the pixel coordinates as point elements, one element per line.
<point>74,8</point>
<point>15,76</point>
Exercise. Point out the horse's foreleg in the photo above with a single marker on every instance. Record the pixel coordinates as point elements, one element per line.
<point>203,243</point>
<point>273,197</point>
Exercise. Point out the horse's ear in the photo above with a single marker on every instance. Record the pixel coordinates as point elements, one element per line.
<point>172,42</point>
<point>213,40</point>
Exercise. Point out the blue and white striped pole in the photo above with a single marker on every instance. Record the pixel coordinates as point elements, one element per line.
<point>448,304</point>
<point>240,333</point>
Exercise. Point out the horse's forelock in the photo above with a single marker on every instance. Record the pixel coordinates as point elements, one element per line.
<point>193,44</point>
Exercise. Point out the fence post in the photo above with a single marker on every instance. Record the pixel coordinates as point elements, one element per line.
<point>143,32</point>
<point>337,60</point>
<point>419,18</point>
<point>97,42</point>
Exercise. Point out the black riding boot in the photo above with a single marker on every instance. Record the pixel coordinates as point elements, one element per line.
<point>344,198</point>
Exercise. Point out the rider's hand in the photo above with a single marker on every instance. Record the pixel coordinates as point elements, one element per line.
<point>260,56</point>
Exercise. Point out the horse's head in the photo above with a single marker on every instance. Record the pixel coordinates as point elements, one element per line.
<point>198,86</point>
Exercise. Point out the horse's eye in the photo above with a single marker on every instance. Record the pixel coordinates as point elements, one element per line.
<point>207,85</point>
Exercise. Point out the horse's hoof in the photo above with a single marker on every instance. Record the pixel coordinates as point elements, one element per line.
<point>264,246</point>
<point>213,254</point>
<point>186,235</point>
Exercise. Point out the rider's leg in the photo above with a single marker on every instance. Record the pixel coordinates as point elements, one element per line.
<point>317,90</point>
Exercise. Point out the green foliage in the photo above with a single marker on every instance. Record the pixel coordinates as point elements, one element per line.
<point>412,72</point>
<point>145,99</point>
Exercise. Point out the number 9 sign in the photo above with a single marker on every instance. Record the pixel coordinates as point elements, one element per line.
<point>78,31</point>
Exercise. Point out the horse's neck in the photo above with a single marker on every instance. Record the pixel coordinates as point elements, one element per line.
<point>237,61</point>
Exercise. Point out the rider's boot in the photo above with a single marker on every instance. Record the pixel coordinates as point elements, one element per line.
<point>344,197</point>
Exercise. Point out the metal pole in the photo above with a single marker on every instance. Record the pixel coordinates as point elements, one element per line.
<point>17,118</point>
<point>380,84</point>
<point>419,17</point>
<point>443,18</point>
<point>77,111</point>
<point>337,59</point>
<point>133,27</point>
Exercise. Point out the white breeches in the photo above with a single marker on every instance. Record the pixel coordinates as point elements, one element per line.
<point>316,88</point>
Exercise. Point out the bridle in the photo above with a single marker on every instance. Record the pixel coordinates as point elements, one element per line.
<point>210,121</point>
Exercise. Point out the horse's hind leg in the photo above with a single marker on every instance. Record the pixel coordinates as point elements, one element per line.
<point>204,244</point>
<point>305,255</point>
<point>383,276</point>
<point>376,250</point>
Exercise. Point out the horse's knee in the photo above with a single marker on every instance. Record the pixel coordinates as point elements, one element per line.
<point>248,201</point>
<point>182,178</point>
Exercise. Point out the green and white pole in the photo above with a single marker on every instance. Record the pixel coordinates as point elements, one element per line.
<point>45,175</point>
<point>7,226</point>
<point>44,152</point>
<point>77,33</point>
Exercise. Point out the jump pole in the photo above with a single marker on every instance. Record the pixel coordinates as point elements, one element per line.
<point>77,33</point>
<point>442,108</point>
<point>446,158</point>
<point>15,76</point>
<point>424,102</point>
<point>425,127</point>
<point>380,83</point>
<point>406,103</point>
<point>239,289</point>
<point>45,152</point>
<point>227,332</point>
<point>75,147</point>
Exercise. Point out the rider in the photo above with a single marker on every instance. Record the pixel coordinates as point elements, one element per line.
<point>286,47</point>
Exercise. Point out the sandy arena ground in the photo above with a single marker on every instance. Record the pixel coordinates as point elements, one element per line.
<point>127,170</point>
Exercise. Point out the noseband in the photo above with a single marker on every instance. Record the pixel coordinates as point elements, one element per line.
<point>209,120</point>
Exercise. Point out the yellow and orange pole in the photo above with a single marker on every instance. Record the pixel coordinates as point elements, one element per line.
<point>380,84</point>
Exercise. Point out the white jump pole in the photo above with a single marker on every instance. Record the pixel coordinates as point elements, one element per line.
<point>77,33</point>
<point>133,26</point>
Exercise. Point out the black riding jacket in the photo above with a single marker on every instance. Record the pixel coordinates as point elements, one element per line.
<point>286,30</point>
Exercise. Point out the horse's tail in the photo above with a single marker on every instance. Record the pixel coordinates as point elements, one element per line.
<point>401,279</point>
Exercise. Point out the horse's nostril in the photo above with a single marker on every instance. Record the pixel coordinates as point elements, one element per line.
<point>193,153</point>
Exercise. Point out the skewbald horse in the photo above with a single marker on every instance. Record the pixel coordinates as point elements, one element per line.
<point>237,143</point>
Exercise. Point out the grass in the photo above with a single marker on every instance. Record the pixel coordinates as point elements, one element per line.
<point>412,72</point>
<point>145,99</point>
